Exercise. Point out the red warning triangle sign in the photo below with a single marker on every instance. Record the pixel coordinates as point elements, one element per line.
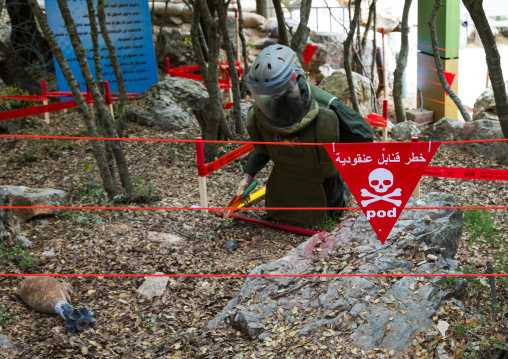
<point>449,76</point>
<point>308,53</point>
<point>382,176</point>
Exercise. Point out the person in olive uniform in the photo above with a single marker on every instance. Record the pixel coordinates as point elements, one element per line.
<point>289,109</point>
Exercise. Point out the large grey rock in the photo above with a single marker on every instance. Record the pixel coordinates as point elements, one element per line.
<point>337,85</point>
<point>373,315</point>
<point>34,197</point>
<point>448,129</point>
<point>153,286</point>
<point>169,44</point>
<point>485,105</point>
<point>9,223</point>
<point>5,342</point>
<point>330,51</point>
<point>405,130</point>
<point>168,104</point>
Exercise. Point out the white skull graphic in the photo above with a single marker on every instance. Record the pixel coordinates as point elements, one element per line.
<point>381,180</point>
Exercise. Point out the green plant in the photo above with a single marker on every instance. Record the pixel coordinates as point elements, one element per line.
<point>329,224</point>
<point>5,316</point>
<point>187,41</point>
<point>15,255</point>
<point>14,104</point>
<point>479,223</point>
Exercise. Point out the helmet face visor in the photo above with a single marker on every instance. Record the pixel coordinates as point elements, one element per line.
<point>282,109</point>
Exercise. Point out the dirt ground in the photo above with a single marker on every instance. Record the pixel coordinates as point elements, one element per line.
<point>132,242</point>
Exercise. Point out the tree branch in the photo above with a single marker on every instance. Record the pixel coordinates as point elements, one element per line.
<point>281,22</point>
<point>347,61</point>
<point>439,67</point>
<point>400,113</point>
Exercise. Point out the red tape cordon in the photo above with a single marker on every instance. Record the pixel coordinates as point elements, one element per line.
<point>467,173</point>
<point>204,170</point>
<point>36,110</point>
<point>243,208</point>
<point>213,141</point>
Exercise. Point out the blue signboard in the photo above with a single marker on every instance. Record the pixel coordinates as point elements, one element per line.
<point>130,29</point>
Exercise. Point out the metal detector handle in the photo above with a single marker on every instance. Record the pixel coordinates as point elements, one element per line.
<point>250,188</point>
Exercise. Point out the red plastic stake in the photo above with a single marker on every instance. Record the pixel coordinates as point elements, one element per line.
<point>107,93</point>
<point>416,192</point>
<point>200,161</point>
<point>43,87</point>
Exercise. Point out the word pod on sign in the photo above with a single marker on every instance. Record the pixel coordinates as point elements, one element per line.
<point>382,176</point>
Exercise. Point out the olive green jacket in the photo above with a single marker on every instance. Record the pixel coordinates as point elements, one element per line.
<point>305,176</point>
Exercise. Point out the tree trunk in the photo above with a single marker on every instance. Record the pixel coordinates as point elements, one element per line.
<point>475,8</point>
<point>299,39</point>
<point>262,8</point>
<point>122,92</point>
<point>243,88</point>
<point>281,22</point>
<point>233,75</point>
<point>102,109</point>
<point>347,61</point>
<point>439,67</point>
<point>100,82</point>
<point>400,113</point>
<point>209,72</point>
<point>107,181</point>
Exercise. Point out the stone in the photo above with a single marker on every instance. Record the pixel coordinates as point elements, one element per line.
<point>153,286</point>
<point>485,105</point>
<point>9,223</point>
<point>49,253</point>
<point>252,20</point>
<point>377,318</point>
<point>337,85</point>
<point>272,29</point>
<point>24,242</point>
<point>442,326</point>
<point>167,239</point>
<point>169,104</point>
<point>448,129</point>
<point>260,44</point>
<point>422,117</point>
<point>5,342</point>
<point>404,131</point>
<point>441,352</point>
<point>34,197</point>
<point>169,44</point>
<point>330,51</point>
<point>429,336</point>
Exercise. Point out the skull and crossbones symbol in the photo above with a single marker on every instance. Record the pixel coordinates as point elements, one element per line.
<point>381,180</point>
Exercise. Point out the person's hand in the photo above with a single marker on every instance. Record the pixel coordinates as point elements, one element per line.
<point>246,181</point>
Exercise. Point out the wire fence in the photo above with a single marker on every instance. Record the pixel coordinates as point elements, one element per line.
<point>24,39</point>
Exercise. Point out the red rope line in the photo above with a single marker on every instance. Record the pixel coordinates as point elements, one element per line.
<point>243,208</point>
<point>257,275</point>
<point>209,141</point>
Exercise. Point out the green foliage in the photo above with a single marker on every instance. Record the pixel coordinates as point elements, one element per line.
<point>87,191</point>
<point>329,224</point>
<point>15,255</point>
<point>479,223</point>
<point>5,316</point>
<point>187,41</point>
<point>14,104</point>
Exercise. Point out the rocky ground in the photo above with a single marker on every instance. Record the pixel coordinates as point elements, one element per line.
<point>142,242</point>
